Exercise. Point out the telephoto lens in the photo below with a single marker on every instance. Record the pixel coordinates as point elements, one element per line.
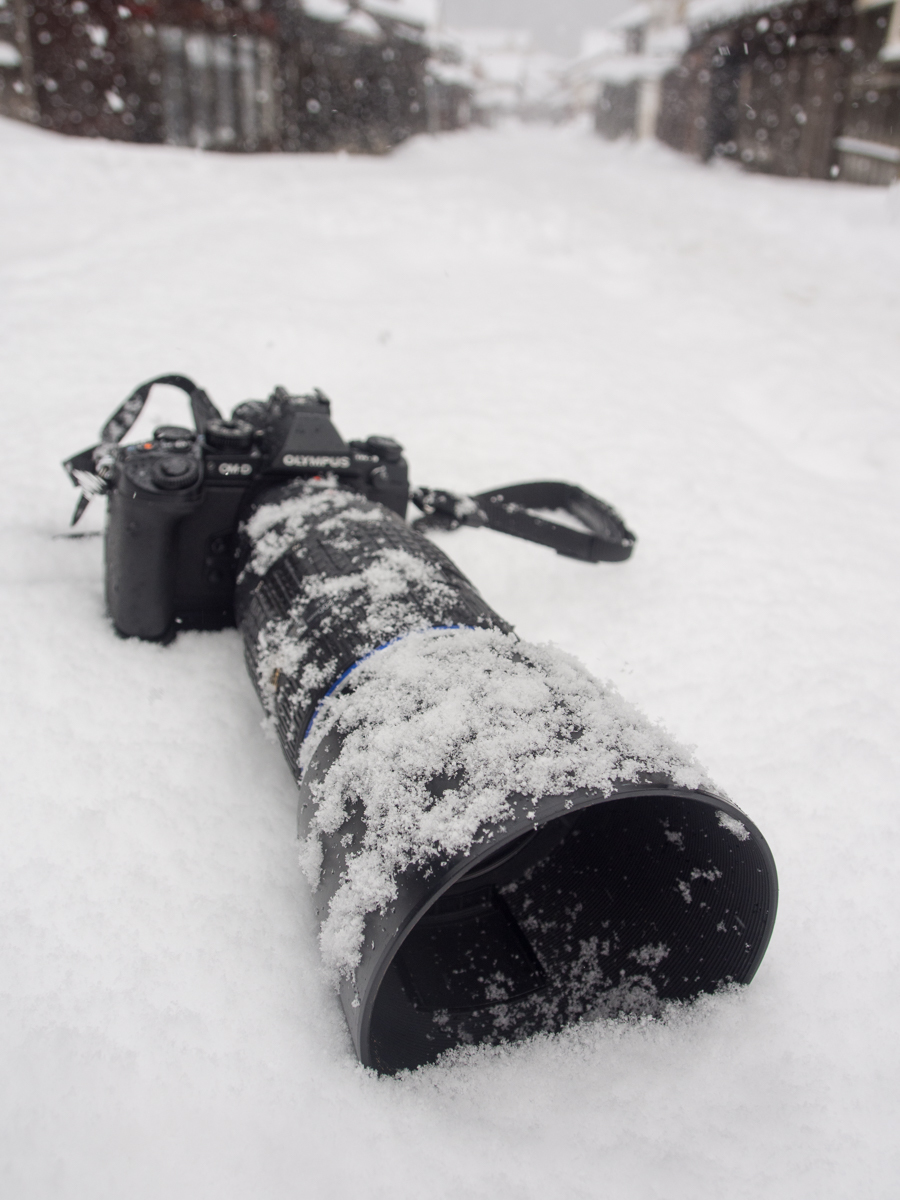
<point>498,844</point>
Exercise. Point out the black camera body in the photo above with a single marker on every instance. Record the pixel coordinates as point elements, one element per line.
<point>175,504</point>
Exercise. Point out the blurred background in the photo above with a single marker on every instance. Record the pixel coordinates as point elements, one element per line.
<point>807,89</point>
<point>556,27</point>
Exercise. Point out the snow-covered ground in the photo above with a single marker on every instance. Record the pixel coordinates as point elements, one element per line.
<point>716,354</point>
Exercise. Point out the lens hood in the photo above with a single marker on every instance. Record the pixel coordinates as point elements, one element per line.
<point>574,906</point>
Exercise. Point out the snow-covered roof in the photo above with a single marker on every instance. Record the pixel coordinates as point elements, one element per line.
<point>631,67</point>
<point>451,73</point>
<point>327,10</point>
<point>632,18</point>
<point>502,67</point>
<point>480,41</point>
<point>702,13</point>
<point>542,75</point>
<point>9,55</point>
<point>595,42</point>
<point>498,95</point>
<point>413,12</point>
<point>423,13</point>
<point>674,39</point>
<point>363,26</point>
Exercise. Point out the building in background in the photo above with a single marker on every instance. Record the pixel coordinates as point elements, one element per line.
<point>508,74</point>
<point>254,75</point>
<point>628,99</point>
<point>804,89</point>
<point>582,78</point>
<point>451,84</point>
<point>808,89</point>
<point>868,145</point>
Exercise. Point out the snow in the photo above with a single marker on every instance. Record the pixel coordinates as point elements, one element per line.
<point>504,716</point>
<point>9,55</point>
<point>364,25</point>
<point>452,73</point>
<point>673,39</point>
<point>733,825</point>
<point>479,40</point>
<point>633,17</point>
<point>415,12</point>
<point>631,67</point>
<point>327,10</point>
<point>701,14</point>
<point>712,352</point>
<point>597,42</point>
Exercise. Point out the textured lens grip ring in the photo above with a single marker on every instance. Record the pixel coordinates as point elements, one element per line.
<point>344,579</point>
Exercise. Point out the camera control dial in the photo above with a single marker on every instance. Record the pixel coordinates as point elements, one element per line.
<point>229,435</point>
<point>174,472</point>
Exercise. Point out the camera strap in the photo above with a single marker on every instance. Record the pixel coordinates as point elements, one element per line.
<point>601,535</point>
<point>91,469</point>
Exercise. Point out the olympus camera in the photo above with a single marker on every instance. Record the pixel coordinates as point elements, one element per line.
<point>497,846</point>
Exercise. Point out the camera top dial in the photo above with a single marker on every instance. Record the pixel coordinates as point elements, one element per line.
<point>174,471</point>
<point>229,435</point>
<point>170,463</point>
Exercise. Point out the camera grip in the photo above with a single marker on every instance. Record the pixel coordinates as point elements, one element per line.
<point>140,563</point>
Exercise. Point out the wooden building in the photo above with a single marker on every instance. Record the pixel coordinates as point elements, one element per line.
<point>868,144</point>
<point>630,83</point>
<point>261,75</point>
<point>797,89</point>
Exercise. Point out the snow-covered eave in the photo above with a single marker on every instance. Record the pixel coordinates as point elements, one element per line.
<point>405,17</point>
<point>9,55</point>
<point>632,18</point>
<point>633,67</point>
<point>589,64</point>
<point>704,15</point>
<point>331,12</point>
<point>415,14</point>
<point>590,71</point>
<point>453,74</point>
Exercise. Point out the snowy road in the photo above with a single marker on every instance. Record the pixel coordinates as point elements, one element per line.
<point>716,354</point>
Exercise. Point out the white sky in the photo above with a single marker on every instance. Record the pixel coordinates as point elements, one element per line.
<point>557,24</point>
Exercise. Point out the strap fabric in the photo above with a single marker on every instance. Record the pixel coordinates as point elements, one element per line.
<point>91,469</point>
<point>605,537</point>
<point>127,413</point>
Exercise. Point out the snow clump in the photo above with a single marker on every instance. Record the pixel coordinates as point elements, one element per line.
<point>438,731</point>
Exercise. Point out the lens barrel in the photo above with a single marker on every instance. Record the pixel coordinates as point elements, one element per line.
<point>498,845</point>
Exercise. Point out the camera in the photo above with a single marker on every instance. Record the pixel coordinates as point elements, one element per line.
<point>497,845</point>
<point>175,503</point>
